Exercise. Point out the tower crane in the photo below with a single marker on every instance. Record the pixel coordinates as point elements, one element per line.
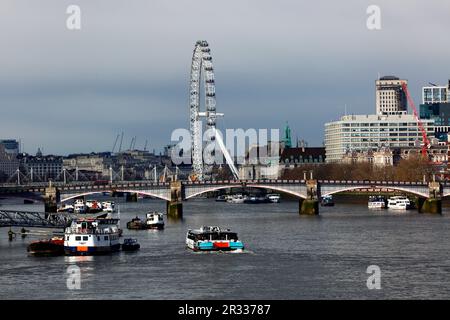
<point>426,142</point>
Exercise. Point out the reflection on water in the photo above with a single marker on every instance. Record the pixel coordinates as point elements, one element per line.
<point>286,256</point>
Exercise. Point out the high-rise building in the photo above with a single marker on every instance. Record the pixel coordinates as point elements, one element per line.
<point>361,133</point>
<point>390,97</point>
<point>11,146</point>
<point>436,106</point>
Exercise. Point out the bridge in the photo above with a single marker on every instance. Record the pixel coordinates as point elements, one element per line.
<point>174,193</point>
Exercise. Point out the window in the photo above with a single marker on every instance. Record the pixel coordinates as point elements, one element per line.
<point>78,238</point>
<point>106,238</point>
<point>85,238</point>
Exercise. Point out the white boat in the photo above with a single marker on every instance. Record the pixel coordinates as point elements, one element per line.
<point>94,206</point>
<point>236,198</point>
<point>273,197</point>
<point>108,206</point>
<point>155,220</point>
<point>92,237</point>
<point>376,202</point>
<point>66,208</point>
<point>213,239</point>
<point>399,203</point>
<point>79,206</point>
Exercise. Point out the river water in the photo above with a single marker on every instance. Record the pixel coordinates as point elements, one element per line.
<point>287,256</point>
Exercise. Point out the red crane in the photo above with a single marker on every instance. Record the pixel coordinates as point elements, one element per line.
<point>426,142</point>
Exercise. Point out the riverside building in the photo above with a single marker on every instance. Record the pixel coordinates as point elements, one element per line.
<point>362,133</point>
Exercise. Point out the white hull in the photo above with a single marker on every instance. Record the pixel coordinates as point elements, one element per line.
<point>376,205</point>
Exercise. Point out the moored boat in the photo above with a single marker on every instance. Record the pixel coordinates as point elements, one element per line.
<point>400,203</point>
<point>154,220</point>
<point>327,201</point>
<point>376,202</point>
<point>273,197</point>
<point>209,238</point>
<point>47,247</point>
<point>236,198</point>
<point>92,236</point>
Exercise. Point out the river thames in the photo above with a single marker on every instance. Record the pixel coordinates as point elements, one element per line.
<point>286,256</point>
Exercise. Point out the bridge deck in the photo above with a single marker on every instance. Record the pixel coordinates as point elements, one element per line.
<point>33,219</point>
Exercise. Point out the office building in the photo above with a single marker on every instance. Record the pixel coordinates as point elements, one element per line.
<point>390,97</point>
<point>362,133</point>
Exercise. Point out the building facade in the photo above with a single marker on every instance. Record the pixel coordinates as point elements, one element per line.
<point>436,106</point>
<point>42,168</point>
<point>10,146</point>
<point>8,164</point>
<point>390,97</point>
<point>372,132</point>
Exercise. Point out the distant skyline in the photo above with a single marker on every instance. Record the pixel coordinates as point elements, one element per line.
<point>128,68</point>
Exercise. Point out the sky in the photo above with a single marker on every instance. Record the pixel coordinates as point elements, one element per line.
<point>127,69</point>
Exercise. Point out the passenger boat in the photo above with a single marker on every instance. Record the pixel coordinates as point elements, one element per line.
<point>273,197</point>
<point>213,239</point>
<point>236,198</point>
<point>376,202</point>
<point>92,236</point>
<point>93,206</point>
<point>399,203</point>
<point>108,206</point>
<point>79,206</point>
<point>47,247</point>
<point>327,201</point>
<point>130,245</point>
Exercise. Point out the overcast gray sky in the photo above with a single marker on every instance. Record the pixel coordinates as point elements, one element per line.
<point>127,69</point>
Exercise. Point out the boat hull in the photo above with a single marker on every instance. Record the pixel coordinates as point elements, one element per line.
<point>88,251</point>
<point>45,249</point>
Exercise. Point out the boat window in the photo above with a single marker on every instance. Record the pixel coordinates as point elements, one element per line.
<point>85,238</point>
<point>98,238</point>
<point>106,238</point>
<point>67,238</point>
<point>78,238</point>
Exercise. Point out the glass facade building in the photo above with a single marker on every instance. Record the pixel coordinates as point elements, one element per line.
<point>371,132</point>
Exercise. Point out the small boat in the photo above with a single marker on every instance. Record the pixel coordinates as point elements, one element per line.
<point>79,206</point>
<point>66,208</point>
<point>213,239</point>
<point>93,206</point>
<point>399,203</point>
<point>236,198</point>
<point>47,247</point>
<point>376,202</point>
<point>327,201</point>
<point>273,197</point>
<point>130,245</point>
<point>155,220</point>
<point>92,236</point>
<point>222,198</point>
<point>108,206</point>
<point>255,199</point>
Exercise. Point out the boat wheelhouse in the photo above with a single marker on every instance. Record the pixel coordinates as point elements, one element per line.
<point>92,236</point>
<point>155,220</point>
<point>213,239</point>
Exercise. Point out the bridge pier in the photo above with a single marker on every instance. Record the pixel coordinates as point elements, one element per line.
<point>432,204</point>
<point>175,205</point>
<point>131,197</point>
<point>51,199</point>
<point>310,205</point>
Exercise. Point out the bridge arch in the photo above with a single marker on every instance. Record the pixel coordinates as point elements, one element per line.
<point>142,192</point>
<point>248,186</point>
<point>395,188</point>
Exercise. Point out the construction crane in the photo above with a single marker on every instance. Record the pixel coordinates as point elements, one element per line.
<point>115,143</point>
<point>426,142</point>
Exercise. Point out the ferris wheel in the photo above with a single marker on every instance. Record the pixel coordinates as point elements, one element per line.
<point>202,73</point>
